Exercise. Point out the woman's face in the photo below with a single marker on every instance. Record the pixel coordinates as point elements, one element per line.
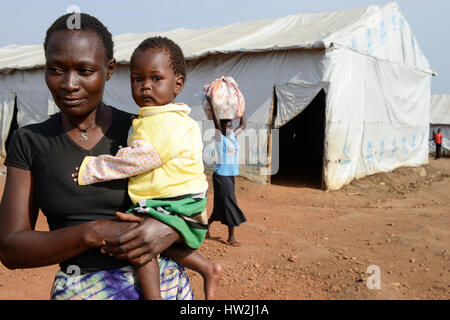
<point>76,70</point>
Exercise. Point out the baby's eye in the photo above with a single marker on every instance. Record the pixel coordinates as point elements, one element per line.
<point>156,78</point>
<point>137,79</point>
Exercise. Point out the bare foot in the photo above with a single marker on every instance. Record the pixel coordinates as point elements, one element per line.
<point>212,279</point>
<point>233,243</point>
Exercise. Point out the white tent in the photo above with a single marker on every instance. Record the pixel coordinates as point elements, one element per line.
<point>361,71</point>
<point>440,119</point>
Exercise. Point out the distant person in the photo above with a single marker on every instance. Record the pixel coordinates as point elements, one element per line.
<point>438,141</point>
<point>226,209</point>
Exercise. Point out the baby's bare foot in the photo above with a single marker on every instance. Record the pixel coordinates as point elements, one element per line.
<point>212,279</point>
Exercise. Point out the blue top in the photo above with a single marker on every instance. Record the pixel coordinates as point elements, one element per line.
<point>227,156</point>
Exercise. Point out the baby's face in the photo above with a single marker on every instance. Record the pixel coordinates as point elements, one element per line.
<point>153,82</point>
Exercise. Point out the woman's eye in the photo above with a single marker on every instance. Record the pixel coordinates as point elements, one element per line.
<point>55,70</point>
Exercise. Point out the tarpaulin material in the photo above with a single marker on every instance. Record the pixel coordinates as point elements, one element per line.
<point>293,98</point>
<point>366,30</point>
<point>6,115</point>
<point>377,117</point>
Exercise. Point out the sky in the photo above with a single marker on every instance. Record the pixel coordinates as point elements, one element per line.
<point>25,22</point>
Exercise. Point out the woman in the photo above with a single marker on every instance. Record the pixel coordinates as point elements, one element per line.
<point>93,249</point>
<point>226,209</point>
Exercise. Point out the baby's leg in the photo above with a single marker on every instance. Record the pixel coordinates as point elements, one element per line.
<point>210,271</point>
<point>148,277</point>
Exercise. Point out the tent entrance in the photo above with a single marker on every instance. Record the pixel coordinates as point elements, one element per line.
<point>301,144</point>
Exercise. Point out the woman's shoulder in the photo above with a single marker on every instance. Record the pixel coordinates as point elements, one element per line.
<point>123,117</point>
<point>122,112</point>
<point>41,128</point>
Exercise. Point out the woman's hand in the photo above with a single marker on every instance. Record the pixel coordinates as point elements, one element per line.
<point>242,125</point>
<point>143,242</point>
<point>100,230</point>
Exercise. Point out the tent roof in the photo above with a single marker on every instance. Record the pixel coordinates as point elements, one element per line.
<point>440,109</point>
<point>300,31</point>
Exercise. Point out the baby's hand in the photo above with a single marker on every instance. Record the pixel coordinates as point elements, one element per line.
<point>75,175</point>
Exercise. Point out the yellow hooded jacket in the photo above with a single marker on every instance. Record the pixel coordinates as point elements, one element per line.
<point>163,159</point>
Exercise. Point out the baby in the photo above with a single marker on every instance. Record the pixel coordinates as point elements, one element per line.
<point>163,161</point>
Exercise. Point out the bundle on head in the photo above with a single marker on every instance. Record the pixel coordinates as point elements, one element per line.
<point>226,99</point>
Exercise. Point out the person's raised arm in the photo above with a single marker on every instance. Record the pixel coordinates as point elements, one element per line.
<point>216,120</point>
<point>23,247</point>
<point>242,125</point>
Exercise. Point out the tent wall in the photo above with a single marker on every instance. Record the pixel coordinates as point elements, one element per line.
<point>377,117</point>
<point>440,109</point>
<point>377,112</point>
<point>6,115</point>
<point>257,74</point>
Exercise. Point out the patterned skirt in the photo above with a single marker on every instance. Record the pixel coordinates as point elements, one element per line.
<point>121,284</point>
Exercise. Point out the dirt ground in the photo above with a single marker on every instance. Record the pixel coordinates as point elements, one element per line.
<point>305,243</point>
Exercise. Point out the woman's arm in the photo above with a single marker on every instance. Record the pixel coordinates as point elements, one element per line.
<point>216,120</point>
<point>22,247</point>
<point>242,125</point>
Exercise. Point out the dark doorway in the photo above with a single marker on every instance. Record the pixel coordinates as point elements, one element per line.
<point>301,142</point>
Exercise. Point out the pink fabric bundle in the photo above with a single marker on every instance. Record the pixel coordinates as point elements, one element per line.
<point>227,100</point>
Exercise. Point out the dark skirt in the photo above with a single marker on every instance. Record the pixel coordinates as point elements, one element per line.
<point>225,209</point>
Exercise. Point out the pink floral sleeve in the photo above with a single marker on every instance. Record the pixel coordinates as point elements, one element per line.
<point>138,158</point>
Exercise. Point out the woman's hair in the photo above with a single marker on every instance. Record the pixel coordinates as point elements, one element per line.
<point>162,43</point>
<point>88,23</point>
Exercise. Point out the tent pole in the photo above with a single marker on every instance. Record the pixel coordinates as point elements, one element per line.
<point>269,138</point>
<point>324,155</point>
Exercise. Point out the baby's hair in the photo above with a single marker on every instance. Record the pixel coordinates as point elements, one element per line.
<point>169,46</point>
<point>88,23</point>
